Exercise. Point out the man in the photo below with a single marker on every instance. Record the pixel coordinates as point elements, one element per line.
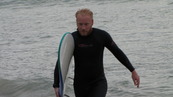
<point>89,77</point>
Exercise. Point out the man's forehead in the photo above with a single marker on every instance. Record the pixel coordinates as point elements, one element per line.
<point>84,16</point>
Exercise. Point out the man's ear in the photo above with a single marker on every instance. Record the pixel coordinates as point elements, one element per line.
<point>92,21</point>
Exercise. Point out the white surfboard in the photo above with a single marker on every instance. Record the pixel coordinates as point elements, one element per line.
<point>65,53</point>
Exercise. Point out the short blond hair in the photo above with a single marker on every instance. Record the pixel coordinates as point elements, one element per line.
<point>84,11</point>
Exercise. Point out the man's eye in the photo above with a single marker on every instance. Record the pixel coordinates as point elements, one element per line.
<point>86,24</point>
<point>80,24</point>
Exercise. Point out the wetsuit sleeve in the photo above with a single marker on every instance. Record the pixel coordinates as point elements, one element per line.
<point>118,53</point>
<point>56,76</point>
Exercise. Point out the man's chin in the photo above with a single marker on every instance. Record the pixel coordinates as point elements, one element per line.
<point>84,34</point>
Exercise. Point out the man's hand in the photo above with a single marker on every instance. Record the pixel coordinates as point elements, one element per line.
<point>56,92</point>
<point>136,78</point>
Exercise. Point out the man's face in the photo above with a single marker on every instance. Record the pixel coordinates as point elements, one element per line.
<point>84,24</point>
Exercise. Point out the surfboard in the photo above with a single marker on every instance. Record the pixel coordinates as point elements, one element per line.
<point>65,53</point>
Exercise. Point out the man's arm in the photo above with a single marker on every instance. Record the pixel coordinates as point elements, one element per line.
<point>56,80</point>
<point>119,54</point>
<point>125,61</point>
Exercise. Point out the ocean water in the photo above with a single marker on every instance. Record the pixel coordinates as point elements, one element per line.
<point>30,31</point>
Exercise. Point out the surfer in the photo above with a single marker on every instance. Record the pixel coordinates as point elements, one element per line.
<point>89,76</point>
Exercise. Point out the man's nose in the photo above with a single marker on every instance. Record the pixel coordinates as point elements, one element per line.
<point>83,27</point>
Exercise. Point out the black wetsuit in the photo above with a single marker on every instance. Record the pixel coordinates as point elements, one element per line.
<point>89,79</point>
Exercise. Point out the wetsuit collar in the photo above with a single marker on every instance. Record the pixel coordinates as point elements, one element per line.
<point>91,32</point>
